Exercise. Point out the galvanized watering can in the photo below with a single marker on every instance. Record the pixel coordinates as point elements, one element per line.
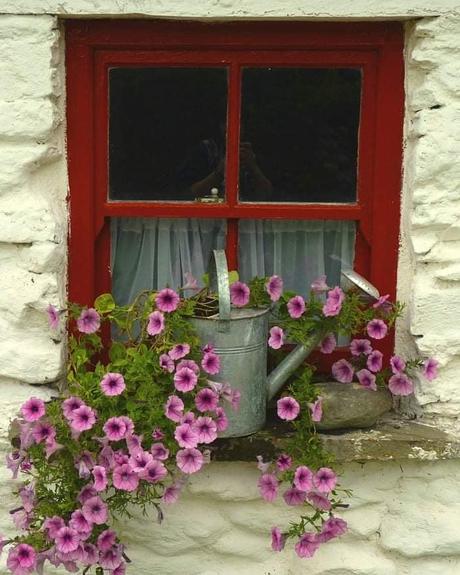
<point>240,339</point>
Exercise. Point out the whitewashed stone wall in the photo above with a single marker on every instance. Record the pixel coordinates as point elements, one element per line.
<point>404,519</point>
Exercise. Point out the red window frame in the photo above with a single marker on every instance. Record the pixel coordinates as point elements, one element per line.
<point>94,46</point>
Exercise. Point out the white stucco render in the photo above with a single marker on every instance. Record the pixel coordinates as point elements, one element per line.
<point>404,518</point>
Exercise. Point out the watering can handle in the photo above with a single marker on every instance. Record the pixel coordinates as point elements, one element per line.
<point>218,281</point>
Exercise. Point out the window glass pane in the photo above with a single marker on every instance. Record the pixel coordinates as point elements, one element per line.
<point>299,134</point>
<point>167,133</point>
<point>151,253</point>
<point>299,251</point>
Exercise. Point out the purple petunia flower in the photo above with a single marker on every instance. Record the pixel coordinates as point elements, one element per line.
<point>91,554</point>
<point>400,384</point>
<point>100,477</point>
<point>106,539</point>
<point>95,510</point>
<point>325,480</point>
<point>274,287</point>
<point>125,478</point>
<point>319,500</point>
<point>334,302</point>
<point>53,316</point>
<point>374,361</point>
<point>287,408</point>
<point>268,486</point>
<point>296,306</point>
<point>377,329</point>
<point>397,364</point>
<point>307,545</point>
<point>159,451</point>
<point>359,346</point>
<point>69,405</point>
<point>21,559</point>
<point>111,558</point>
<point>239,294</point>
<point>139,460</point>
<point>186,436</point>
<point>166,363</point>
<point>156,323</point>
<point>185,379</point>
<point>316,410</point>
<point>52,525</point>
<point>80,524</point>
<point>154,471</point>
<point>174,408</point>
<point>113,384</point>
<point>206,428</point>
<point>332,527</point>
<point>211,363</point>
<point>190,364</point>
<point>89,321</point>
<point>179,351</point>
<point>43,431</point>
<point>86,493</point>
<point>342,371</point>
<point>319,285</point>
<point>294,496</point>
<point>67,540</point>
<point>83,418</point>
<point>167,300</point>
<point>221,419</point>
<point>276,339</point>
<point>129,428</point>
<point>366,379</point>
<point>430,369</point>
<point>188,417</point>
<point>328,344</point>
<point>33,409</point>
<point>171,494</point>
<point>383,303</point>
<point>157,434</point>
<point>206,400</point>
<point>115,429</point>
<point>189,460</point>
<point>303,478</point>
<point>278,540</point>
<point>284,462</point>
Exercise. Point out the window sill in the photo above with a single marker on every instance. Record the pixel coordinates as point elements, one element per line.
<point>389,440</point>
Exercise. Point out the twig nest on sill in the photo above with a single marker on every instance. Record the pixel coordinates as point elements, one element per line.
<point>349,405</point>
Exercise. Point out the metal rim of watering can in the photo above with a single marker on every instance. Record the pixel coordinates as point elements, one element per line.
<point>218,281</point>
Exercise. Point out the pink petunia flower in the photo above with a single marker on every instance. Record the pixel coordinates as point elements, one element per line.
<point>294,496</point>
<point>278,540</point>
<point>211,363</point>
<point>296,306</point>
<point>95,510</point>
<point>342,371</point>
<point>316,410</point>
<point>268,486</point>
<point>166,363</point>
<point>221,419</point>
<point>319,501</point>
<point>154,471</point>
<point>171,494</point>
<point>86,492</point>
<point>374,361</point>
<point>114,429</point>
<point>430,369</point>
<point>303,478</point>
<point>111,558</point>
<point>167,300</point>
<point>139,460</point>
<point>377,329</point>
<point>186,436</point>
<point>157,434</point>
<point>174,408</point>
<point>359,346</point>
<point>159,451</point>
<point>21,559</point>
<point>80,524</point>
<point>91,554</point>
<point>67,540</point>
<point>206,400</point>
<point>190,364</point>
<point>328,344</point>
<point>334,301</point>
<point>83,418</point>
<point>179,351</point>
<point>239,294</point>
<point>382,302</point>
<point>287,408</point>
<point>307,545</point>
<point>100,477</point>
<point>28,497</point>
<point>366,379</point>
<point>185,379</point>
<point>69,405</point>
<point>89,321</point>
<point>52,525</point>
<point>284,462</point>
<point>120,570</point>
<point>129,428</point>
<point>274,287</point>
<point>106,539</point>
<point>400,384</point>
<point>332,527</point>
<point>53,316</point>
<point>276,339</point>
<point>33,409</point>
<point>113,384</point>
<point>206,428</point>
<point>43,431</point>
<point>189,460</point>
<point>191,282</point>
<point>188,417</point>
<point>397,364</point>
<point>319,285</point>
<point>262,465</point>
<point>325,480</point>
<point>156,323</point>
<point>125,478</point>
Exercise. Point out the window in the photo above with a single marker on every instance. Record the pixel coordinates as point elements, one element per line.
<point>279,141</point>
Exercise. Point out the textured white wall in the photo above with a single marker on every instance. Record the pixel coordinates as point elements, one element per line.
<point>404,521</point>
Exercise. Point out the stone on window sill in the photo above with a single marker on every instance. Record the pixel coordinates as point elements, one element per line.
<point>388,440</point>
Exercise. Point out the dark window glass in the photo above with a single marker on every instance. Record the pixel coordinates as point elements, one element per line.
<point>167,133</point>
<point>299,134</point>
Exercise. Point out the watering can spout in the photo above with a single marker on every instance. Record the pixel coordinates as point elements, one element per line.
<point>281,373</point>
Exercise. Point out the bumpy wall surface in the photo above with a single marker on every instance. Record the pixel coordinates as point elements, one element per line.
<point>404,518</point>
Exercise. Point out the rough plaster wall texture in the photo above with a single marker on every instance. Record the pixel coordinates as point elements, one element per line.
<point>429,272</point>
<point>33,217</point>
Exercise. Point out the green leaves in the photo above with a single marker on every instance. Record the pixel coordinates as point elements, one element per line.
<point>104,303</point>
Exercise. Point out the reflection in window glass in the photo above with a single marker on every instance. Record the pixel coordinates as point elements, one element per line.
<point>299,134</point>
<point>167,132</point>
<point>151,253</point>
<point>299,251</point>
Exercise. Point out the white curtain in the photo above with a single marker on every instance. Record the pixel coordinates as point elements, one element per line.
<point>153,253</point>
